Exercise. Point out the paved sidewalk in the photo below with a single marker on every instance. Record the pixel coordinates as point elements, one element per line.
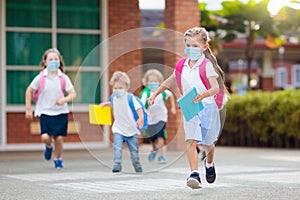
<point>242,173</point>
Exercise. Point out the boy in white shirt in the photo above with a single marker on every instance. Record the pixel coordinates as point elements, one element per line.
<point>124,128</point>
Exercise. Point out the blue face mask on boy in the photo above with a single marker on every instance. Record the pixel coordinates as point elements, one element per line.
<point>119,92</point>
<point>153,86</point>
<point>53,65</point>
<point>193,53</point>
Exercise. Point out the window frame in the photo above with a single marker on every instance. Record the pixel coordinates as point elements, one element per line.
<point>281,72</point>
<point>295,82</point>
<point>55,31</point>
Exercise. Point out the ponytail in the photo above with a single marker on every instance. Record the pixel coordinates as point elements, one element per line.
<point>221,78</point>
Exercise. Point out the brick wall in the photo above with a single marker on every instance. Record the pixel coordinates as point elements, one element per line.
<point>180,15</point>
<point>19,129</point>
<point>125,41</point>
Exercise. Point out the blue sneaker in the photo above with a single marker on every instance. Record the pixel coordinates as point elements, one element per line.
<point>210,173</point>
<point>161,160</point>
<point>117,168</point>
<point>194,181</point>
<point>58,164</point>
<point>137,167</point>
<point>152,155</point>
<point>48,153</point>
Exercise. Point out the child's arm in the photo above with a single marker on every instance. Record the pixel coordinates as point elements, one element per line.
<point>140,120</point>
<point>212,91</point>
<point>71,95</point>
<point>106,103</point>
<point>28,96</point>
<point>173,107</point>
<point>168,83</point>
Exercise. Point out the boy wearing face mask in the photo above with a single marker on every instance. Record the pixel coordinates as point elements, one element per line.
<point>51,105</point>
<point>157,129</point>
<point>124,128</point>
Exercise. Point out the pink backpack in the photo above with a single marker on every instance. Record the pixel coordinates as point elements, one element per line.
<point>38,91</point>
<point>202,73</point>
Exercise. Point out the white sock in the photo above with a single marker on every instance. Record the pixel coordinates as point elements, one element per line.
<point>57,159</point>
<point>208,165</point>
<point>49,146</point>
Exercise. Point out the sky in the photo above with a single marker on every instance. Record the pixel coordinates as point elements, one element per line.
<point>273,7</point>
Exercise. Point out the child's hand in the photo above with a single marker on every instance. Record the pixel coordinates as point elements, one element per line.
<point>61,101</point>
<point>201,96</point>
<point>28,114</point>
<point>105,104</point>
<point>140,122</point>
<point>151,100</point>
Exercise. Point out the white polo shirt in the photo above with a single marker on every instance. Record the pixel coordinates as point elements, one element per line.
<point>51,92</point>
<point>190,78</point>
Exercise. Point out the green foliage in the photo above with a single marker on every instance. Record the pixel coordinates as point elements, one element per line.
<point>264,114</point>
<point>288,19</point>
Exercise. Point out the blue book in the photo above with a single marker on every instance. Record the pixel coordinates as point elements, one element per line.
<point>187,105</point>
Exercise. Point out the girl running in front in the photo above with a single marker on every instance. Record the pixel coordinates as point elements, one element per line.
<point>204,128</point>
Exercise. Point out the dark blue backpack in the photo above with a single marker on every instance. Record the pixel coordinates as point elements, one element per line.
<point>131,105</point>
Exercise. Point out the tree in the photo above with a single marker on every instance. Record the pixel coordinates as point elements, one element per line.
<point>250,19</point>
<point>288,21</point>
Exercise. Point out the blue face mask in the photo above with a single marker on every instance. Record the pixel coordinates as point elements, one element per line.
<point>119,92</point>
<point>153,86</point>
<point>193,53</point>
<point>53,65</point>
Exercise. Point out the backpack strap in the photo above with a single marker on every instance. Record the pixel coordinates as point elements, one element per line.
<point>111,98</point>
<point>63,82</point>
<point>164,95</point>
<point>40,88</point>
<point>147,90</point>
<point>178,72</point>
<point>42,81</point>
<point>131,105</point>
<point>202,73</point>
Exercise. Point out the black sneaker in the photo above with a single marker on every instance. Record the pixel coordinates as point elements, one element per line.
<point>210,173</point>
<point>194,181</point>
<point>116,168</point>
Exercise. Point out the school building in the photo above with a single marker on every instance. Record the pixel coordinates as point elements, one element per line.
<point>96,38</point>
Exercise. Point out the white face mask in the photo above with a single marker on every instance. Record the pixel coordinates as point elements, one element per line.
<point>119,92</point>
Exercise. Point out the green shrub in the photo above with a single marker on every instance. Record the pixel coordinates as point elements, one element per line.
<point>262,117</point>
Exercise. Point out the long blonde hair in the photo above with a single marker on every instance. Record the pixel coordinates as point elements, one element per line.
<point>202,35</point>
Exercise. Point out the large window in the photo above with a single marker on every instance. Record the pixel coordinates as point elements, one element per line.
<point>33,26</point>
<point>296,76</point>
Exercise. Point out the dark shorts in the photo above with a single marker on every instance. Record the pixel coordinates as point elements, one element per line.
<point>156,131</point>
<point>54,125</point>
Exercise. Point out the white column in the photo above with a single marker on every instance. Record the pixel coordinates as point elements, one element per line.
<point>104,55</point>
<point>267,64</point>
<point>2,74</point>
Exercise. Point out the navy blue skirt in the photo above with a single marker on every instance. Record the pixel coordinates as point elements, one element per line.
<point>54,125</point>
